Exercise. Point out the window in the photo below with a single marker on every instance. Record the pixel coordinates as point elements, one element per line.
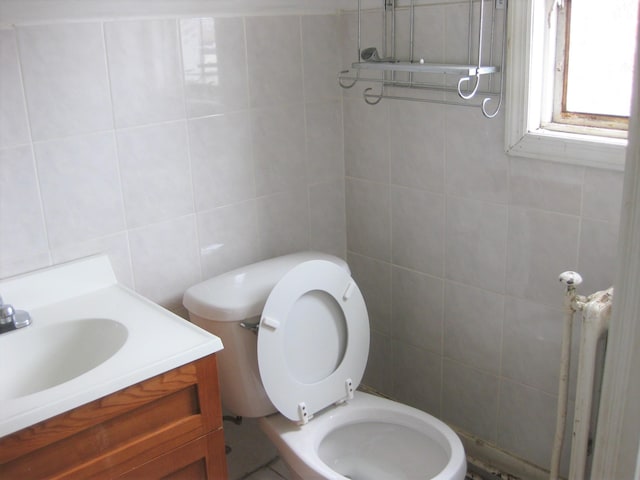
<point>564,59</point>
<point>594,53</point>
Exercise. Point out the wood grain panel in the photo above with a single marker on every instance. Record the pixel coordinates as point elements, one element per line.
<point>117,433</point>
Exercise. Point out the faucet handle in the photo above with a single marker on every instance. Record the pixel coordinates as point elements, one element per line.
<point>7,313</point>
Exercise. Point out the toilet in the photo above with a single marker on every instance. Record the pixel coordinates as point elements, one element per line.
<point>295,331</point>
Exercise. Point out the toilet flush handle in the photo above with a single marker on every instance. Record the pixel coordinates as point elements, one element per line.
<point>252,327</point>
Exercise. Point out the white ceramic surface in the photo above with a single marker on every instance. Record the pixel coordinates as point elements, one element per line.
<point>24,234</point>
<point>58,353</point>
<point>65,81</point>
<point>13,115</point>
<point>83,299</point>
<point>364,426</point>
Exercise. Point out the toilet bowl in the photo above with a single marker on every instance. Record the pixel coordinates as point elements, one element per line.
<point>296,339</point>
<point>368,438</point>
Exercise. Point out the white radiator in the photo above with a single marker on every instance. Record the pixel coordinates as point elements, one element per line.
<point>596,315</point>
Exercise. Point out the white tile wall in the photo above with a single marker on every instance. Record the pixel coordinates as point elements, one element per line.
<point>80,187</point>
<point>155,173</point>
<point>144,70</point>
<point>477,240</point>
<point>221,159</point>
<point>13,116</point>
<point>136,137</point>
<point>274,53</point>
<point>215,65</point>
<point>22,229</point>
<point>187,147</point>
<point>65,78</point>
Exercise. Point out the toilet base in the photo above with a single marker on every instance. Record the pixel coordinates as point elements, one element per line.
<point>368,437</point>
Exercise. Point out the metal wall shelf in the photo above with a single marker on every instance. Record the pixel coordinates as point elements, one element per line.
<point>469,75</point>
<point>417,67</point>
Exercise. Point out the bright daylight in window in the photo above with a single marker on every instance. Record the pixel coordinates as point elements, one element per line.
<point>569,71</point>
<point>594,63</point>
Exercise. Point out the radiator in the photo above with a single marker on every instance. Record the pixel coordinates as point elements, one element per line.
<point>595,315</point>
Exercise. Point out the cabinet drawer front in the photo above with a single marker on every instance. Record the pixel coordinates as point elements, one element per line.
<point>120,431</point>
<point>199,459</point>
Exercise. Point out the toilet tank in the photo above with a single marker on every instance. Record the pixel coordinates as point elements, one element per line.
<point>220,304</point>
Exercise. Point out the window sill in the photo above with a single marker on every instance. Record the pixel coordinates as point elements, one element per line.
<point>574,149</point>
<point>523,135</point>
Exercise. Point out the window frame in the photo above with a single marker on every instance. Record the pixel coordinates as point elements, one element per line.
<point>528,48</point>
<point>568,120</point>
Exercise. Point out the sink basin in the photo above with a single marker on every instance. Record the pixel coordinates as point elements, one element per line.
<point>89,337</point>
<point>40,358</point>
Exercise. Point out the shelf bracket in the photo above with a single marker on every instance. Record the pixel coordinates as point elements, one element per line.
<point>468,96</point>
<point>368,95</point>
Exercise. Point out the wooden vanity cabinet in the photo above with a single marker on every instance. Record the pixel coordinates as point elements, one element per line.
<point>169,426</point>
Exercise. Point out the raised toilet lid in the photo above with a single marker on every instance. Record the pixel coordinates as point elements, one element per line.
<point>313,341</point>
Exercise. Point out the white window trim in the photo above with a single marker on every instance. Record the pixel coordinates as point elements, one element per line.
<point>523,135</point>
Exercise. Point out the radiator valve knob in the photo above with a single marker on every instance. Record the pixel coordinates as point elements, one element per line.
<point>570,279</point>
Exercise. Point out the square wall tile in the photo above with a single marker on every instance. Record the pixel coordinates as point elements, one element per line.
<point>417,309</point>
<point>228,238</point>
<point>540,247</point>
<point>417,375</point>
<point>155,172</point>
<point>470,399</point>
<point>165,260</point>
<point>279,149</point>
<point>532,344</point>
<point>221,160</point>
<point>80,188</point>
<point>526,424</point>
<point>429,34</point>
<point>417,222</point>
<point>597,255</point>
<point>374,279</point>
<point>476,240</point>
<point>22,229</point>
<point>545,185</point>
<point>214,65</point>
<point>327,220</point>
<point>283,222</point>
<point>456,24</point>
<point>476,165</point>
<point>65,79</point>
<point>274,56</point>
<point>379,374</point>
<point>325,147</point>
<point>321,56</point>
<point>366,140</point>
<point>417,145</point>
<point>602,195</point>
<point>473,326</point>
<point>368,219</point>
<point>13,114</point>
<point>145,71</point>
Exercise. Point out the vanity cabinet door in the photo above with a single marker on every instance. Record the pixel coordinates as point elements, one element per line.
<point>196,460</point>
<point>134,427</point>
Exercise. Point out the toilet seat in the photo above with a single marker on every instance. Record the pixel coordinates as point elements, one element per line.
<point>313,340</point>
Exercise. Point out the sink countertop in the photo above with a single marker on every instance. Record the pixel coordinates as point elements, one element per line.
<point>157,341</point>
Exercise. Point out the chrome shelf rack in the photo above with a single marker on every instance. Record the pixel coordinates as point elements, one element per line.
<point>469,75</point>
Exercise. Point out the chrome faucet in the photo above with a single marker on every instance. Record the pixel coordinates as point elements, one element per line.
<point>12,319</point>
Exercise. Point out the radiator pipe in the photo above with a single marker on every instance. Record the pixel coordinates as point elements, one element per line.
<point>572,303</point>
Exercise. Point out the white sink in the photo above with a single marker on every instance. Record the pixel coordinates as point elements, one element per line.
<point>56,353</point>
<point>89,337</point>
